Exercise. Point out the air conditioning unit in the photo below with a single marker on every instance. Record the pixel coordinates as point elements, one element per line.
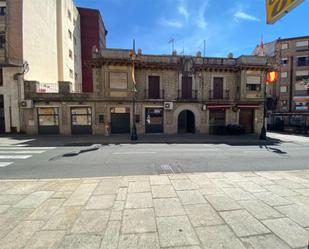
<point>26,104</point>
<point>168,105</point>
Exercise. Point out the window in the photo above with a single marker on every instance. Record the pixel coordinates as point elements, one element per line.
<point>1,77</point>
<point>75,57</point>
<point>76,76</point>
<point>70,54</point>
<point>284,61</point>
<point>283,89</point>
<point>2,11</point>
<point>69,15</point>
<point>301,43</point>
<point>70,34</point>
<point>81,116</point>
<point>48,116</point>
<point>118,80</point>
<point>253,87</point>
<point>71,73</point>
<point>303,61</point>
<point>253,83</point>
<point>284,46</point>
<point>284,74</point>
<point>2,39</point>
<point>75,41</point>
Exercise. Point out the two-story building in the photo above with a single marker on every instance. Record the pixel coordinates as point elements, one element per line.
<point>174,94</point>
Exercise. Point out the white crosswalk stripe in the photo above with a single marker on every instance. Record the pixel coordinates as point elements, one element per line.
<point>5,164</point>
<point>18,153</point>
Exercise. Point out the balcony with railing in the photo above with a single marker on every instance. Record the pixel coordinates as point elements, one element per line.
<point>154,95</point>
<point>217,96</point>
<point>187,95</point>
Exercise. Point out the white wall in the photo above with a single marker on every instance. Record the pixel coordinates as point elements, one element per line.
<point>9,91</point>
<point>40,40</point>
<point>64,25</point>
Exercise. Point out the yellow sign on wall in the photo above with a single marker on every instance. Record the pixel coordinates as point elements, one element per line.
<point>278,8</point>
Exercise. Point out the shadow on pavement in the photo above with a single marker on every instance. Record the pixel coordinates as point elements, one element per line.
<point>89,140</point>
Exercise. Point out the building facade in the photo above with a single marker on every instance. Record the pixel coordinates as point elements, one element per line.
<point>39,41</point>
<point>174,94</point>
<point>291,91</point>
<point>93,36</point>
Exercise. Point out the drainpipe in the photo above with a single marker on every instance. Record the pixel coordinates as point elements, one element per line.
<point>19,78</point>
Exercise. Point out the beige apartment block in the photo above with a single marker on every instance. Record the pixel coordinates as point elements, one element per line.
<point>174,94</point>
<point>39,41</point>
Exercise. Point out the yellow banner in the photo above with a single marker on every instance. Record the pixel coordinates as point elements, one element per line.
<point>278,8</point>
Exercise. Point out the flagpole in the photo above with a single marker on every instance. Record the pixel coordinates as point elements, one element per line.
<point>133,132</point>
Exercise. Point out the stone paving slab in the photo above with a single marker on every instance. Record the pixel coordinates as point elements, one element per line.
<point>237,210</point>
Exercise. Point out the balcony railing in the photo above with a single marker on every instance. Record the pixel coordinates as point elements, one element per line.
<point>154,95</point>
<point>225,95</point>
<point>185,95</point>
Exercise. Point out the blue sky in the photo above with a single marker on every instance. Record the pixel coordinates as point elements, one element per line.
<point>227,25</point>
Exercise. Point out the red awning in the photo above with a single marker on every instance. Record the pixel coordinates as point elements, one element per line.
<point>248,106</point>
<point>218,106</point>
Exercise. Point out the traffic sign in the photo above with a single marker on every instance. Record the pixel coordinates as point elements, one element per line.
<point>278,8</point>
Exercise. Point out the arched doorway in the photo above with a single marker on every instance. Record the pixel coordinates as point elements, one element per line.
<point>186,122</point>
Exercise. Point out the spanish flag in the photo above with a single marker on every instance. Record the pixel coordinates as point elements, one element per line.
<point>272,77</point>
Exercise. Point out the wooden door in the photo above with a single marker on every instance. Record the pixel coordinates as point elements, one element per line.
<point>154,87</point>
<point>218,88</point>
<point>246,120</point>
<point>186,87</point>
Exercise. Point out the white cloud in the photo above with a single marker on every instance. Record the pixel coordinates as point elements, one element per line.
<point>183,11</point>
<point>240,14</point>
<point>171,23</point>
<point>200,21</point>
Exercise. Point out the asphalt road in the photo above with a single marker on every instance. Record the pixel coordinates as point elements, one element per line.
<point>22,162</point>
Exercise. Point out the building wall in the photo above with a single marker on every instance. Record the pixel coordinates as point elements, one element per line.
<point>92,34</point>
<point>69,67</point>
<point>9,90</point>
<point>40,40</point>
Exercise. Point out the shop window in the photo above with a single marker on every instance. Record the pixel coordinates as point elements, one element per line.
<point>48,116</point>
<point>81,116</point>
<point>253,87</point>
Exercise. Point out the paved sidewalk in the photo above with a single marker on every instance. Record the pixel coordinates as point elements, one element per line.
<point>187,211</point>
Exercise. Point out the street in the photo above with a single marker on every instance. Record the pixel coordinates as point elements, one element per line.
<point>20,161</point>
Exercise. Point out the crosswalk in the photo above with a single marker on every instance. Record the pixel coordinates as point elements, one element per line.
<point>11,153</point>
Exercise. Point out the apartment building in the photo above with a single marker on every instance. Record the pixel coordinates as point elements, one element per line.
<point>292,88</point>
<point>39,41</point>
<point>93,37</point>
<point>174,94</point>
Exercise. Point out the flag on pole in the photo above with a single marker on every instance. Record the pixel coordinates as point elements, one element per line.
<point>133,56</point>
<point>262,45</point>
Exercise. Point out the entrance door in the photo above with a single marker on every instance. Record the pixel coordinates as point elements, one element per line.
<point>154,120</point>
<point>81,118</point>
<point>154,87</point>
<point>186,122</point>
<point>218,88</point>
<point>246,119</point>
<point>216,122</point>
<point>2,121</point>
<point>120,120</point>
<point>186,87</point>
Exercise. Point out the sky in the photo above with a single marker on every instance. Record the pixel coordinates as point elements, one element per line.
<point>235,26</point>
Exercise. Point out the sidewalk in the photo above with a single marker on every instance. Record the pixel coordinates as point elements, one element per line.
<point>186,211</point>
<point>87,140</point>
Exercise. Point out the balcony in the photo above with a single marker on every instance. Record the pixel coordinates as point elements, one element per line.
<point>154,95</point>
<point>187,95</point>
<point>224,95</point>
